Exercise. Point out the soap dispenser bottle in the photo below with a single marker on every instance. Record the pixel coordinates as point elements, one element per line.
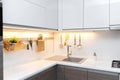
<point>94,56</point>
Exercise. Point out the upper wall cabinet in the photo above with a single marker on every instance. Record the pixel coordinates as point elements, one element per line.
<point>115,13</point>
<point>72,14</point>
<point>96,13</point>
<point>35,13</point>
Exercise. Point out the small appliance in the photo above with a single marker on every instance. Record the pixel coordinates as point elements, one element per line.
<point>116,63</point>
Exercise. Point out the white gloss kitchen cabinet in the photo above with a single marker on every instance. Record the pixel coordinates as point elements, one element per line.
<point>71,13</point>
<point>115,13</point>
<point>35,13</point>
<point>96,13</point>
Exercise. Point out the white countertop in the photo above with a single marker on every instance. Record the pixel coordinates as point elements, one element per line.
<point>24,71</point>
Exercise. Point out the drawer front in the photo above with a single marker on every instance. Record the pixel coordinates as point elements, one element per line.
<point>60,72</point>
<point>73,73</point>
<point>101,75</point>
<point>49,74</point>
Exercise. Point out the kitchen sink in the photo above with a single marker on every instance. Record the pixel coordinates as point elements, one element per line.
<point>70,59</point>
<point>73,59</point>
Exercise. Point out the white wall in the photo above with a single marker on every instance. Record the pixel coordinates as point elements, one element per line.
<point>105,43</point>
<point>23,56</point>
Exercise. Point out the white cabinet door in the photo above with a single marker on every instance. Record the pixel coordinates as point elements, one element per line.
<point>36,13</point>
<point>72,14</point>
<point>96,13</point>
<point>114,12</point>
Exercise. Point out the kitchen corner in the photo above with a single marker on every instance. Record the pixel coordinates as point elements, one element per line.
<point>60,40</point>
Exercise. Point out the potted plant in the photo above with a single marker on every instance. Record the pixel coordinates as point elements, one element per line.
<point>13,42</point>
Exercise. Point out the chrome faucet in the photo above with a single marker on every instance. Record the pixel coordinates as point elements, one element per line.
<point>69,51</point>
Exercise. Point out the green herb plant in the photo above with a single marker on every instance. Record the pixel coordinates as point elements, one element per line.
<point>13,40</point>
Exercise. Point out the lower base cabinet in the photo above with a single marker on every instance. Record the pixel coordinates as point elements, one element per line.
<point>102,75</point>
<point>49,74</point>
<point>61,72</point>
<point>73,73</point>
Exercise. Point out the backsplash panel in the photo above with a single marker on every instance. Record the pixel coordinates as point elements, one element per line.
<point>104,43</point>
<point>14,58</point>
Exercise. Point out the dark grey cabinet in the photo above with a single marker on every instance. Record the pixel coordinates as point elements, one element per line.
<point>74,73</point>
<point>102,75</point>
<point>60,72</point>
<point>49,74</point>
